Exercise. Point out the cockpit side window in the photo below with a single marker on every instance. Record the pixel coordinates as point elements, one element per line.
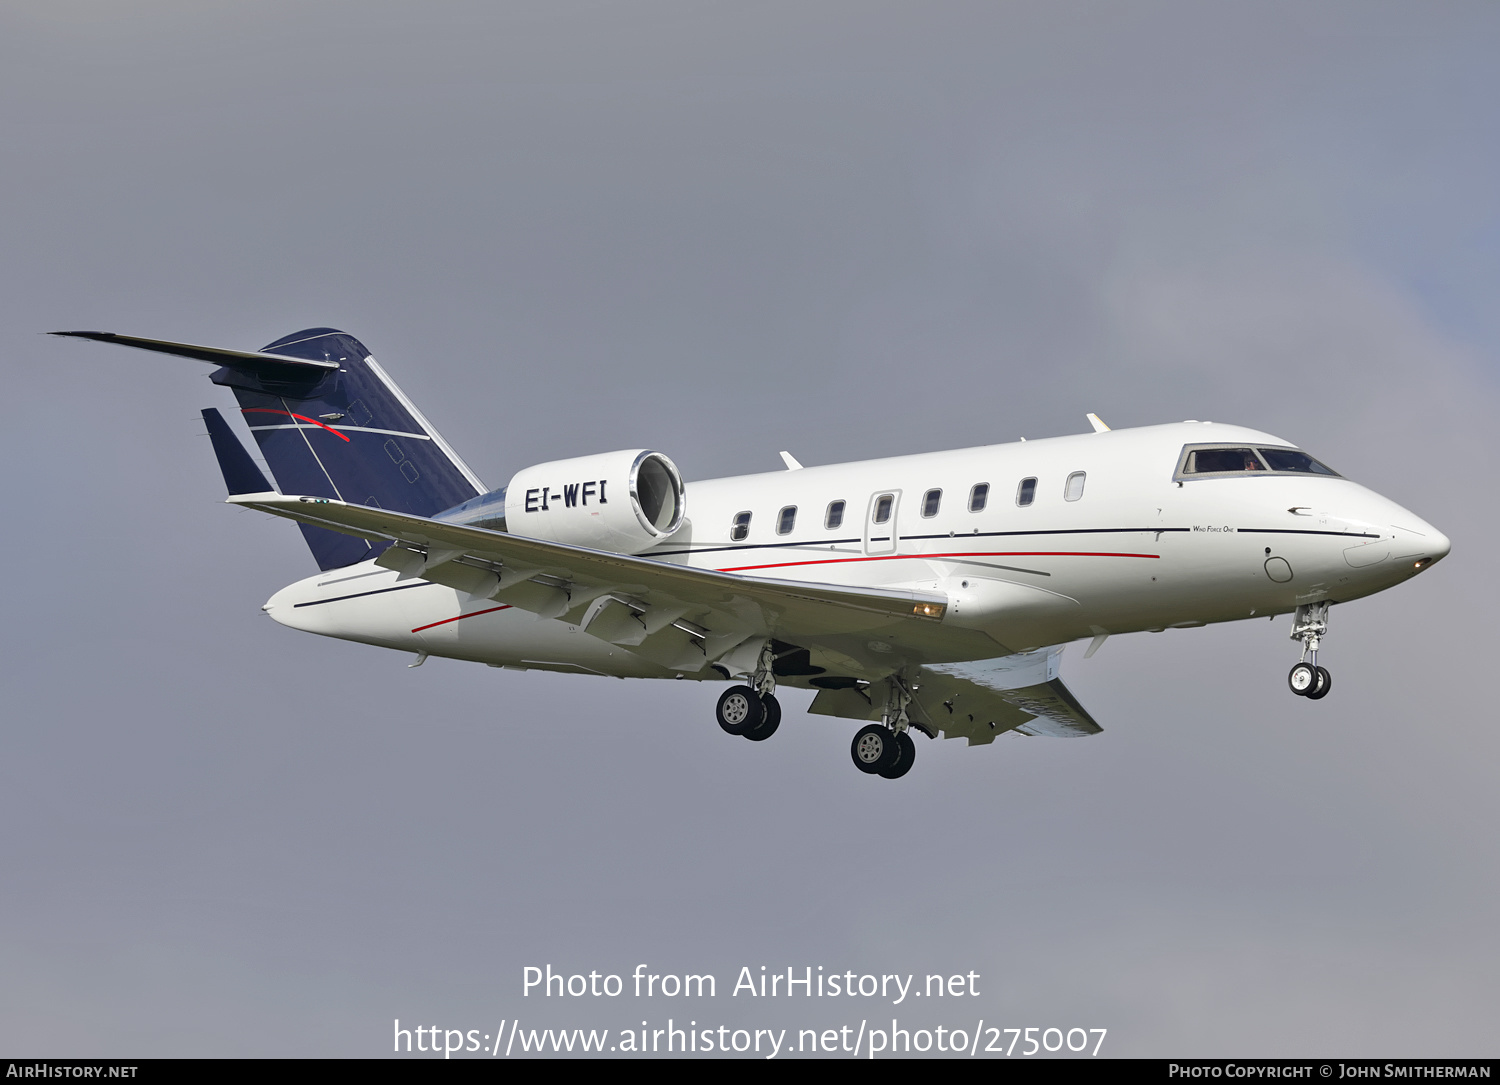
<point>1228,461</point>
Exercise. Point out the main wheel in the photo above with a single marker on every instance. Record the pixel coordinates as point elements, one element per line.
<point>874,748</point>
<point>906,753</point>
<point>739,710</point>
<point>772,719</point>
<point>1303,679</point>
<point>1325,683</point>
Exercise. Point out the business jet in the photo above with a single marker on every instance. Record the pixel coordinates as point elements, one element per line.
<point>927,594</point>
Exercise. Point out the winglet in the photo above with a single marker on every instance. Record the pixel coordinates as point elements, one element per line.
<point>241,475</point>
<point>1097,423</point>
<point>790,461</point>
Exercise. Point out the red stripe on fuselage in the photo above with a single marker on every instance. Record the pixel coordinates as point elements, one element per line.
<point>460,617</point>
<point>930,557</point>
<point>299,417</point>
<point>835,561</point>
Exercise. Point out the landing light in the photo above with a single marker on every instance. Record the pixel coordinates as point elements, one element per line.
<point>928,610</point>
<point>1423,563</point>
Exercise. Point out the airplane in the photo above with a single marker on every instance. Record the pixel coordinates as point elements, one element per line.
<point>929,593</point>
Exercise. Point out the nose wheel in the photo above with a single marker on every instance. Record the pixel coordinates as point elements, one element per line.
<point>1307,679</point>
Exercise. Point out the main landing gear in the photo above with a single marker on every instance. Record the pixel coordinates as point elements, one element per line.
<point>752,711</point>
<point>744,712</point>
<point>886,748</point>
<point>880,751</point>
<point>1307,679</point>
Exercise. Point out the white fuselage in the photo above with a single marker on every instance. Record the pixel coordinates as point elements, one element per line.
<point>1133,550</point>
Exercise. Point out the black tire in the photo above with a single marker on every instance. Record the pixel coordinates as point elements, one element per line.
<point>1302,679</point>
<point>771,719</point>
<point>739,710</point>
<point>874,748</point>
<point>906,754</point>
<point>1325,683</point>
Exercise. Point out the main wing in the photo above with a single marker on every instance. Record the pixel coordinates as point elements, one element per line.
<point>674,615</point>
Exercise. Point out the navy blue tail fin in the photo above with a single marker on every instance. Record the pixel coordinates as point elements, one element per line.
<point>330,423</point>
<point>347,433</point>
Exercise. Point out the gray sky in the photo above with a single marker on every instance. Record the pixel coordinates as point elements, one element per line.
<point>722,230</point>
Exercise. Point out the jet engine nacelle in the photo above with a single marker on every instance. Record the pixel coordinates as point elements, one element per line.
<point>624,502</point>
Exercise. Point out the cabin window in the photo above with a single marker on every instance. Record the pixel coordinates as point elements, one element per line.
<point>883,505</point>
<point>930,502</point>
<point>787,520</point>
<point>1074,488</point>
<point>835,515</point>
<point>979,496</point>
<point>741,529</point>
<point>1026,492</point>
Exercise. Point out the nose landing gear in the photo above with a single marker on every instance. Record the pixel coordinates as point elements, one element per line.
<point>1307,679</point>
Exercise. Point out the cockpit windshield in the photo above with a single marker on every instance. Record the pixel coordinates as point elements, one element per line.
<point>1291,459</point>
<point>1221,461</point>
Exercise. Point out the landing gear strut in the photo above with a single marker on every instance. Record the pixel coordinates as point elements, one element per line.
<point>1310,626</point>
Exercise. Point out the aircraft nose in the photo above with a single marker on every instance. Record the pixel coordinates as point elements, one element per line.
<point>1424,543</point>
<point>1438,547</point>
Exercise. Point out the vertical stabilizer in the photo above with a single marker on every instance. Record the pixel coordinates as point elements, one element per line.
<point>330,423</point>
<point>348,433</point>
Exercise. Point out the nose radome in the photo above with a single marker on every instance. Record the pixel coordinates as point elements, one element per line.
<point>1421,541</point>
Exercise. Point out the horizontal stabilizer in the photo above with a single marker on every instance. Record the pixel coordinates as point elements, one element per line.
<point>241,475</point>
<point>254,361</point>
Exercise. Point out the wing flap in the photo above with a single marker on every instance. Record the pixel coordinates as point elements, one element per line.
<point>1058,713</point>
<point>982,699</point>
